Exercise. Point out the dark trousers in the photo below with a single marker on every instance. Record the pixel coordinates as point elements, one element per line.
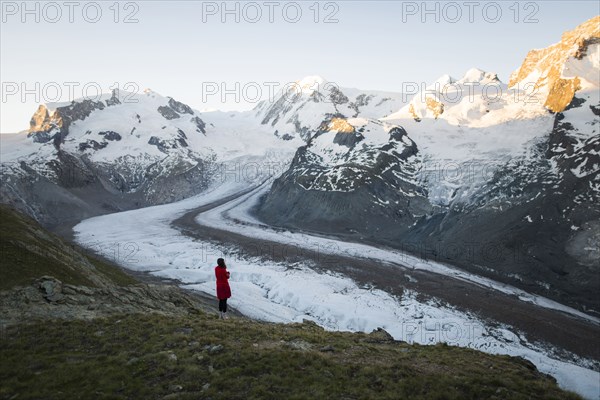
<point>223,305</point>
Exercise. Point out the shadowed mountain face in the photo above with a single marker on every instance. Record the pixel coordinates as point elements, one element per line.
<point>535,224</point>
<point>342,182</point>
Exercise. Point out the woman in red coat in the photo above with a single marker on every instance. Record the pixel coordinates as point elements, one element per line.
<point>223,289</point>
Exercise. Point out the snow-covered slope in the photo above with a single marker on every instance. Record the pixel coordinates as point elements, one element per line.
<point>466,129</point>
<point>122,133</point>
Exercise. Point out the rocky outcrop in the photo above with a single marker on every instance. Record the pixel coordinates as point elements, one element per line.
<point>110,135</point>
<point>200,125</point>
<point>435,107</point>
<point>92,144</point>
<point>49,298</point>
<point>41,136</point>
<point>45,127</point>
<point>114,99</point>
<point>40,121</point>
<point>166,145</point>
<point>180,107</point>
<point>168,112</point>
<point>547,70</point>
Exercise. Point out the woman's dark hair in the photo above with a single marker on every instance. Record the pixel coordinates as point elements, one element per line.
<point>221,263</point>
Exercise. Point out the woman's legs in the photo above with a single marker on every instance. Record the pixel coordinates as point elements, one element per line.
<point>223,305</point>
<point>223,309</point>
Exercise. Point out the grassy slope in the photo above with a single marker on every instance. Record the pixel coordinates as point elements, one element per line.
<point>127,356</point>
<point>29,252</point>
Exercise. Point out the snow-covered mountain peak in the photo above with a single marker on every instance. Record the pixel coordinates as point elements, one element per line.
<point>299,110</point>
<point>310,84</point>
<point>118,124</point>
<point>442,81</point>
<point>472,76</point>
<point>476,75</point>
<point>473,100</point>
<point>556,72</point>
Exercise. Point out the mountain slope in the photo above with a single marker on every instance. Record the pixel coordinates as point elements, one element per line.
<point>350,167</point>
<point>119,152</point>
<point>497,183</point>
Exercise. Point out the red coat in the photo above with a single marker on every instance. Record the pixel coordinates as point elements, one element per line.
<point>223,289</point>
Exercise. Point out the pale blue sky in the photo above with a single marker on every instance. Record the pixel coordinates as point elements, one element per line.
<point>172,51</point>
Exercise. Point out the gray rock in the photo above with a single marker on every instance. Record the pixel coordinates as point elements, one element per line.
<point>110,135</point>
<point>32,294</point>
<point>180,107</point>
<point>200,125</point>
<point>69,290</point>
<point>114,99</point>
<point>51,288</point>
<point>299,345</point>
<point>380,335</point>
<point>175,388</point>
<point>133,361</point>
<point>171,357</point>
<point>84,290</point>
<point>92,144</point>
<point>166,145</point>
<point>41,137</point>
<point>184,331</point>
<point>327,349</point>
<point>213,348</point>
<point>168,112</point>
